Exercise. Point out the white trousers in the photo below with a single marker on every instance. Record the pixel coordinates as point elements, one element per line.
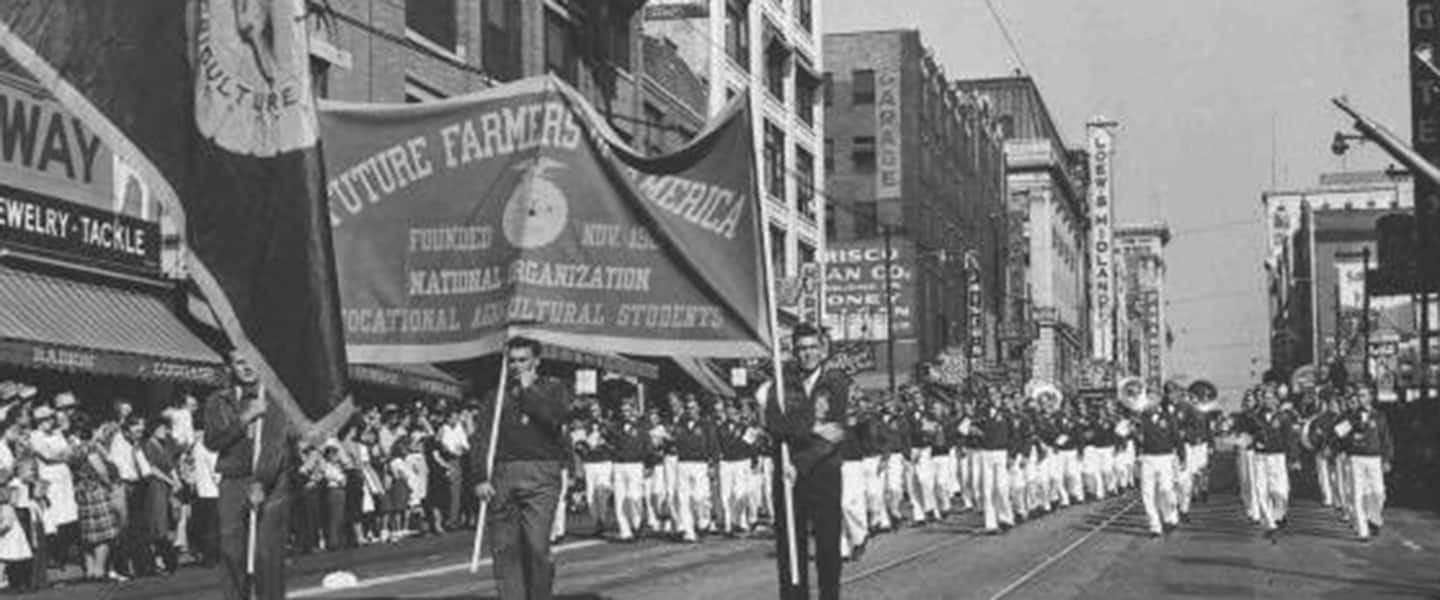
<point>1072,484</point>
<point>1097,464</point>
<point>629,484</point>
<point>692,498</point>
<point>1185,479</point>
<point>1157,489</point>
<point>1272,483</point>
<point>969,471</point>
<point>736,480</point>
<point>658,503</point>
<point>995,488</point>
<point>599,490</point>
<point>1344,478</point>
<point>920,484</point>
<point>878,515</point>
<point>1368,501</point>
<point>946,480</point>
<point>1245,466</point>
<point>854,523</point>
<point>894,467</point>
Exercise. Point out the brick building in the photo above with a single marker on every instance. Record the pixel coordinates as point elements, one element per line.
<point>1046,182</point>
<point>906,152</point>
<point>419,50</point>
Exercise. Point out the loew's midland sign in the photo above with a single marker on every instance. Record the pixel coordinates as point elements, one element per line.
<point>516,210</point>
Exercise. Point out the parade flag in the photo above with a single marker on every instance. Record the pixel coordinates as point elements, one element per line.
<point>210,101</point>
<point>518,211</point>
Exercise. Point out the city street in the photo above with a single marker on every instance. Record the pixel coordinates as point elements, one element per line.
<point>1094,551</point>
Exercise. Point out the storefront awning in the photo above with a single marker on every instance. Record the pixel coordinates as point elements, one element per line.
<point>421,378</point>
<point>598,360</point>
<point>50,322</point>
<point>700,370</point>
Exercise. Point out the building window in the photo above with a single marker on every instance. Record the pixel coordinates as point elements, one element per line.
<point>828,83</point>
<point>805,98</point>
<point>416,92</point>
<point>620,39</point>
<point>435,21</point>
<point>737,33</point>
<point>775,72</point>
<point>862,154</point>
<point>804,253</point>
<point>777,250</point>
<point>500,39</point>
<point>560,56</point>
<point>804,15</point>
<point>774,160</point>
<point>654,130</point>
<point>864,86</point>
<point>320,77</point>
<point>867,219</point>
<point>829,155</point>
<point>805,183</point>
<point>829,221</point>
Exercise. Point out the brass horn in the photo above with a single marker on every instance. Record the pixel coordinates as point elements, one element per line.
<point>1206,395</point>
<point>1046,394</point>
<point>1133,394</point>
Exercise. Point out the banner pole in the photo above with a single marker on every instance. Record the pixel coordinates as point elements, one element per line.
<point>786,489</point>
<point>257,428</point>
<point>490,460</point>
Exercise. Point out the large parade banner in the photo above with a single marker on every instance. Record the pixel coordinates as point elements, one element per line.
<point>210,103</point>
<point>518,211</point>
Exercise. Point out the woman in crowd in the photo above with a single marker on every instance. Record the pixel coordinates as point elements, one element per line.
<point>94,483</point>
<point>157,518</point>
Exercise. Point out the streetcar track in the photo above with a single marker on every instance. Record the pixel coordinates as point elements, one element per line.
<point>930,550</point>
<point>1054,558</point>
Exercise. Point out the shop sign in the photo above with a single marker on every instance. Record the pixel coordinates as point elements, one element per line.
<point>1102,249</point>
<point>888,145</point>
<point>67,230</point>
<point>855,293</point>
<point>65,358</point>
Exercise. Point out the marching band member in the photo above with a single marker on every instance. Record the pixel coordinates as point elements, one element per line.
<point>854,485</point>
<point>1273,444</point>
<point>1187,421</point>
<point>1159,438</point>
<point>1022,442</point>
<point>892,437</point>
<point>969,456</point>
<point>1245,425</point>
<point>1344,475</point>
<point>920,470</point>
<point>1124,457</point>
<point>993,425</point>
<point>942,453</point>
<point>735,447</point>
<point>632,454</point>
<point>1366,436</point>
<point>1326,475</point>
<point>867,434</point>
<point>695,447</point>
<point>1093,436</point>
<point>660,509</point>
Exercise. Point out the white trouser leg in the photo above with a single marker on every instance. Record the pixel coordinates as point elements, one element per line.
<point>693,483</point>
<point>968,471</point>
<point>854,524</point>
<point>921,480</point>
<point>557,527</point>
<point>995,489</point>
<point>629,480</point>
<point>894,484</point>
<point>599,489</point>
<point>1074,483</point>
<point>876,514</point>
<point>1185,480</point>
<point>943,472</point>
<point>1368,499</point>
<point>1273,487</point>
<point>1346,481</point>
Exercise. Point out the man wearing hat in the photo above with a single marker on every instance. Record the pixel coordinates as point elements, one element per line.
<point>249,486</point>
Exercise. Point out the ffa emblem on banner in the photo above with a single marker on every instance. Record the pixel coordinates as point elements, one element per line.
<point>537,209</point>
<point>252,76</point>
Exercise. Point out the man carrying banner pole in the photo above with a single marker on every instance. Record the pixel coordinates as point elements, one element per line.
<point>807,414</point>
<point>519,476</point>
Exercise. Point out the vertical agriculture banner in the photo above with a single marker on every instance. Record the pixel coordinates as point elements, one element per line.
<point>209,103</point>
<point>516,211</point>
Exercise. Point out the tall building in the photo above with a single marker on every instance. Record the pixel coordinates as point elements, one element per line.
<point>706,52</point>
<point>910,157</point>
<point>422,50</point>
<point>1046,183</point>
<point>1142,250</point>
<point>1320,283</point>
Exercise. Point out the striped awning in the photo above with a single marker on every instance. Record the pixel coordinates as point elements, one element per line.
<point>418,378</point>
<point>52,322</point>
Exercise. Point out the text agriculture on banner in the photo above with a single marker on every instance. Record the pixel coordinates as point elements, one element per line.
<point>517,210</point>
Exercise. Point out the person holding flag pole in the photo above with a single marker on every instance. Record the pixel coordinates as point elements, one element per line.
<point>518,478</point>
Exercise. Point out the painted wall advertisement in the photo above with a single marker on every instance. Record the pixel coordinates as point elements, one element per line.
<point>888,171</point>
<point>855,294</point>
<point>1102,247</point>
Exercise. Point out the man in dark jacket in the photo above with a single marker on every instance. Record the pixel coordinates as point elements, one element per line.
<point>1158,441</point>
<point>1365,433</point>
<point>524,486</point>
<point>807,421</point>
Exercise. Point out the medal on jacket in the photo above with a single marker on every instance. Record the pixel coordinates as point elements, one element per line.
<point>524,419</point>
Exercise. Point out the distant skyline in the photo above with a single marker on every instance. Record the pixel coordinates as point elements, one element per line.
<point>1216,101</point>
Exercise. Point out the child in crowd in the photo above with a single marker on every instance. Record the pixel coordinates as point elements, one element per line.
<point>333,474</point>
<point>14,544</point>
<point>398,474</point>
<point>26,494</point>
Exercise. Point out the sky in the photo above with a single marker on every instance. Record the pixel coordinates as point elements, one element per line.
<point>1215,99</point>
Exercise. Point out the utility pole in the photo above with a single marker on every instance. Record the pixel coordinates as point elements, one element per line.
<point>889,309</point>
<point>1365,316</point>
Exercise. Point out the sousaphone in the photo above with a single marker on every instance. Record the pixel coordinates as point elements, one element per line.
<point>1206,396</point>
<point>1045,394</point>
<point>1132,394</point>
